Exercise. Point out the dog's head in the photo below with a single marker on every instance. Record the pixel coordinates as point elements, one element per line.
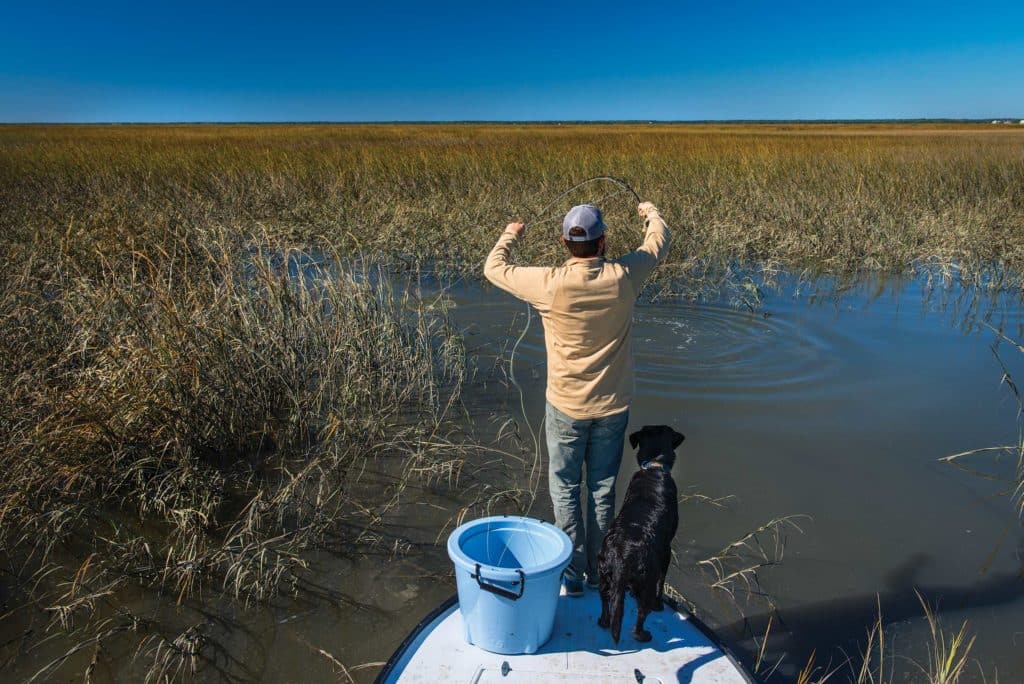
<point>657,444</point>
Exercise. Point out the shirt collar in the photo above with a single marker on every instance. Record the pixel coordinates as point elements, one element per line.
<point>588,261</point>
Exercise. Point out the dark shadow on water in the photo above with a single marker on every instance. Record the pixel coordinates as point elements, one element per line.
<point>843,622</point>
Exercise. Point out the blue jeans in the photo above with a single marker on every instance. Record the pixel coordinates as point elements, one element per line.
<point>597,443</point>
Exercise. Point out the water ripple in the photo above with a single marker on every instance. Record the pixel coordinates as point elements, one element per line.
<point>697,350</point>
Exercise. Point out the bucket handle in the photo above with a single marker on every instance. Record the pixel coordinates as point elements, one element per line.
<point>501,591</point>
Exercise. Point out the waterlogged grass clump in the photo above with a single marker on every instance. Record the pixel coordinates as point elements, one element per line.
<point>195,415</point>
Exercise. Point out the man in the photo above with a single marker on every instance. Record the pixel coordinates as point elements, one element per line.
<point>586,305</point>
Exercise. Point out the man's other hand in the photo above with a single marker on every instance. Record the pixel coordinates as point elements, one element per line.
<point>516,229</point>
<point>644,208</point>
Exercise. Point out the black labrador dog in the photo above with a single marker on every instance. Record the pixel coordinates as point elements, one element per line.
<point>636,552</point>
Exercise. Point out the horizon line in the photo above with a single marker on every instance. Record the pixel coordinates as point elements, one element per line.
<point>256,122</point>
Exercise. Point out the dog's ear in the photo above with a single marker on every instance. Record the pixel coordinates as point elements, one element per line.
<point>677,438</point>
<point>634,438</point>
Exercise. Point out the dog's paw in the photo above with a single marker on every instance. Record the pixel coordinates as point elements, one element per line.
<point>602,622</point>
<point>643,636</point>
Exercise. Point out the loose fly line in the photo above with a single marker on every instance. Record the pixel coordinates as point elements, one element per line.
<point>534,477</point>
<point>533,482</point>
<point>540,217</point>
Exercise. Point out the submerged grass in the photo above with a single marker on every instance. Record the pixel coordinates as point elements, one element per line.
<point>1014,452</point>
<point>216,393</point>
<point>196,415</point>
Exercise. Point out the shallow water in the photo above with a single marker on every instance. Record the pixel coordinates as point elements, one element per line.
<point>837,409</point>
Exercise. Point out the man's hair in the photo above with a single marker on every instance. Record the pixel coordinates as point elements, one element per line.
<point>585,249</point>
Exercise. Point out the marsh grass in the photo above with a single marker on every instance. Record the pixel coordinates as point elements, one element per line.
<point>812,673</point>
<point>826,200</point>
<point>948,654</point>
<point>197,415</point>
<point>735,568</point>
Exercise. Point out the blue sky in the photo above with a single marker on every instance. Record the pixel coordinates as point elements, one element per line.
<point>297,60</point>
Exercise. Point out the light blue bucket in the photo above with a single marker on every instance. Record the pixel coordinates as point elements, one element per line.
<point>508,571</point>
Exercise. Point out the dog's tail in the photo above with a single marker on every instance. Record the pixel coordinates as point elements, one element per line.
<point>616,604</point>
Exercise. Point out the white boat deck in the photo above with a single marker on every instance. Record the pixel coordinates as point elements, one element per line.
<point>579,651</point>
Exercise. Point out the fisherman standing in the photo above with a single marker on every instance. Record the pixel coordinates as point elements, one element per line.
<point>586,306</point>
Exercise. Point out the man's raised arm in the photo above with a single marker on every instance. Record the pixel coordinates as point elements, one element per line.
<point>525,282</point>
<point>641,261</point>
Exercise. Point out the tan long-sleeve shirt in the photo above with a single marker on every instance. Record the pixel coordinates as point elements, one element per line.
<point>586,306</point>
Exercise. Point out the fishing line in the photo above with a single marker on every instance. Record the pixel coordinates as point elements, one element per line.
<point>534,478</point>
<point>533,481</point>
<point>552,219</point>
<point>618,181</point>
<point>539,219</point>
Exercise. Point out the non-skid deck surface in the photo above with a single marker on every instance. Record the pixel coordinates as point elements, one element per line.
<point>579,651</point>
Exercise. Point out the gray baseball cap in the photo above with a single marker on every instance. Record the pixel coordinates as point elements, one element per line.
<point>585,216</point>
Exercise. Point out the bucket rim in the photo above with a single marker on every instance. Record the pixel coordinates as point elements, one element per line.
<point>463,561</point>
